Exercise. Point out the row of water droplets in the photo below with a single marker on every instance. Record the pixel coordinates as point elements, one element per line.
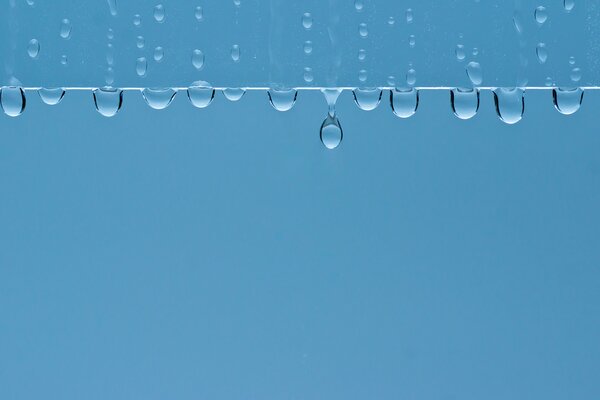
<point>509,102</point>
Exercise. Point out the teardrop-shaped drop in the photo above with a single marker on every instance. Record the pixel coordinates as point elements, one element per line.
<point>12,100</point>
<point>510,104</point>
<point>567,101</point>
<point>108,101</point>
<point>200,95</point>
<point>51,96</point>
<point>233,94</point>
<point>465,102</point>
<point>331,132</point>
<point>367,99</point>
<point>158,99</point>
<point>282,99</point>
<point>404,102</point>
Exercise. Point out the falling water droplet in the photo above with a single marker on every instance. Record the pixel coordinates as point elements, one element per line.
<point>412,40</point>
<point>201,94</point>
<point>362,75</point>
<point>199,13</point>
<point>141,66</point>
<point>137,20</point>
<point>12,100</point>
<point>308,47</point>
<point>542,53</point>
<point>569,5</point>
<point>307,21</point>
<point>362,55</point>
<point>234,94</point>
<point>51,96</point>
<point>541,15</point>
<point>158,99</point>
<point>63,59</point>
<point>198,59</point>
<point>331,132</point>
<point>159,13</point>
<point>65,29</point>
<point>465,102</point>
<point>308,75</point>
<point>363,31</point>
<point>33,48</point>
<point>283,99</point>
<point>567,101</point>
<point>367,99</point>
<point>235,53</point>
<point>112,6</point>
<point>460,52</point>
<point>140,42</point>
<point>510,104</point>
<point>404,102</point>
<point>475,73</point>
<point>411,77</point>
<point>108,101</point>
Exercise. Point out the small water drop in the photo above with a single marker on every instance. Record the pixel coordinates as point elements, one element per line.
<point>141,66</point>
<point>460,52</point>
<point>409,16</point>
<point>367,99</point>
<point>137,20</point>
<point>569,5</point>
<point>140,42</point>
<point>283,99</point>
<point>308,47</point>
<point>307,21</point>
<point>363,31</point>
<point>110,34</point>
<point>63,59</point>
<point>359,5</point>
<point>33,48</point>
<point>541,15</point>
<point>235,53</point>
<point>362,55</point>
<point>465,102</point>
<point>159,54</point>
<point>108,101</point>
<point>404,102</point>
<point>65,29</point>
<point>198,59</point>
<point>308,75</point>
<point>112,6</point>
<point>542,53</point>
<point>576,74</point>
<point>567,101</point>
<point>201,94</point>
<point>411,77</point>
<point>331,132</point>
<point>234,94</point>
<point>159,13</point>
<point>412,40</point>
<point>475,73</point>
<point>51,96</point>
<point>362,75</point>
<point>12,100</point>
<point>510,104</point>
<point>158,99</point>
<point>391,21</point>
<point>199,13</point>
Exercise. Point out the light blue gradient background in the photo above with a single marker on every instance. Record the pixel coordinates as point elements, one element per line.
<point>225,254</point>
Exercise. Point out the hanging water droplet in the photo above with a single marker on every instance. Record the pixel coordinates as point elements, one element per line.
<point>359,5</point>
<point>475,73</point>
<point>363,31</point>
<point>465,102</point>
<point>542,53</point>
<point>567,101</point>
<point>233,94</point>
<point>201,94</point>
<point>307,21</point>
<point>510,104</point>
<point>569,5</point>
<point>141,66</point>
<point>367,99</point>
<point>159,13</point>
<point>65,29</point>
<point>12,100</point>
<point>158,99</point>
<point>108,101</point>
<point>51,96</point>
<point>198,59</point>
<point>199,13</point>
<point>112,6</point>
<point>235,53</point>
<point>308,47</point>
<point>331,132</point>
<point>541,15</point>
<point>283,99</point>
<point>404,102</point>
<point>159,54</point>
<point>33,48</point>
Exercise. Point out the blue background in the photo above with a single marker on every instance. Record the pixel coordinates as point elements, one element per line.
<point>225,254</point>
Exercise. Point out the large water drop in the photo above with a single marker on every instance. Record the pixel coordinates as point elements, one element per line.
<point>465,102</point>
<point>367,99</point>
<point>283,99</point>
<point>567,101</point>
<point>201,94</point>
<point>51,96</point>
<point>475,73</point>
<point>108,101</point>
<point>234,94</point>
<point>331,132</point>
<point>12,100</point>
<point>404,102</point>
<point>65,29</point>
<point>158,99</point>
<point>510,104</point>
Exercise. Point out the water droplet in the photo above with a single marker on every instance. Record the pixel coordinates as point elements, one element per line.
<point>391,21</point>
<point>409,16</point>
<point>359,5</point>
<point>110,34</point>
<point>235,53</point>
<point>51,96</point>
<point>567,101</point>
<point>331,132</point>
<point>542,53</point>
<point>510,104</point>
<point>391,81</point>
<point>541,15</point>
<point>404,102</point>
<point>233,94</point>
<point>112,6</point>
<point>137,20</point>
<point>362,75</point>
<point>307,21</point>
<point>158,99</point>
<point>33,48</point>
<point>159,13</point>
<point>367,99</point>
<point>159,54</point>
<point>308,47</point>
<point>237,3</point>
<point>475,73</point>
<point>362,55</point>
<point>201,94</point>
<point>141,66</point>
<point>63,59</point>
<point>411,77</point>
<point>109,78</point>
<point>465,102</point>
<point>199,13</point>
<point>308,75</point>
<point>198,59</point>
<point>569,5</point>
<point>140,42</point>
<point>576,74</point>
<point>65,29</point>
<point>412,40</point>
<point>12,100</point>
<point>460,52</point>
<point>283,99</point>
<point>571,60</point>
<point>363,31</point>
<point>30,3</point>
<point>108,101</point>
<point>331,97</point>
